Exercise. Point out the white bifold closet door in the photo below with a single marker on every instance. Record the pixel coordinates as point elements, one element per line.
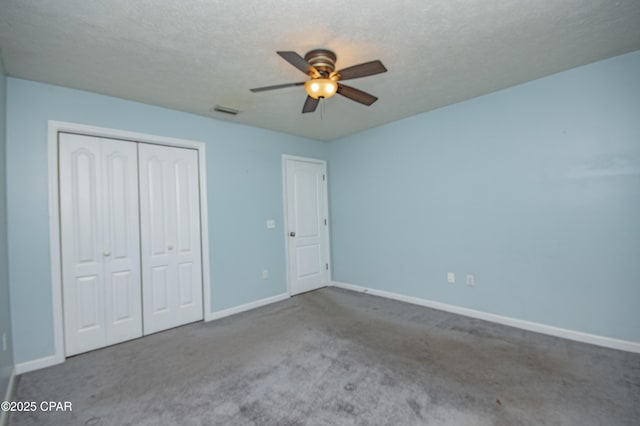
<point>99,241</point>
<point>170,236</point>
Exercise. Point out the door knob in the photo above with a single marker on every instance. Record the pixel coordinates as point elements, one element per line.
<point>107,253</point>
<point>292,234</point>
<point>170,247</point>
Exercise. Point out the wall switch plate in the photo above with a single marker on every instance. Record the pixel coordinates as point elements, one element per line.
<point>471,280</point>
<point>271,223</point>
<point>451,277</point>
<point>4,341</point>
<point>265,274</point>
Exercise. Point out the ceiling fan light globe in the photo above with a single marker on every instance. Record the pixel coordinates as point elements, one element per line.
<point>319,88</point>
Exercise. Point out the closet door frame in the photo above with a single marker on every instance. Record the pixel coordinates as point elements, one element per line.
<point>56,127</point>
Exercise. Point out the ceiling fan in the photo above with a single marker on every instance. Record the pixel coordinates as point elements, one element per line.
<point>319,64</point>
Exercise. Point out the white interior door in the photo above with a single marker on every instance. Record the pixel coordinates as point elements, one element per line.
<point>170,235</point>
<point>99,241</point>
<point>306,200</point>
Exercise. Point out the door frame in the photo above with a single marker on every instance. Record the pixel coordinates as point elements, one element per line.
<point>327,249</point>
<point>55,127</point>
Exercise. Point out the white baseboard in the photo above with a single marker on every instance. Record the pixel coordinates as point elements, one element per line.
<point>579,336</point>
<point>8,396</point>
<point>246,307</point>
<point>37,364</point>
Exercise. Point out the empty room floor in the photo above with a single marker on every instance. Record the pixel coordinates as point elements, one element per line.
<point>334,357</point>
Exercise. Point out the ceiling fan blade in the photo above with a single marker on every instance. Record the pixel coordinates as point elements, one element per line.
<point>310,105</point>
<point>277,86</point>
<point>299,62</point>
<point>362,70</point>
<point>356,95</point>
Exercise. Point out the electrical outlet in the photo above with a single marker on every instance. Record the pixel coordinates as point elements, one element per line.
<point>451,278</point>
<point>471,280</point>
<point>265,274</point>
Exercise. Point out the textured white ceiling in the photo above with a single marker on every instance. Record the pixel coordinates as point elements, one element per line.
<point>190,55</point>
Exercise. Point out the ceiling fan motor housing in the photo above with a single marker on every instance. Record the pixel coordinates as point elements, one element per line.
<point>323,60</point>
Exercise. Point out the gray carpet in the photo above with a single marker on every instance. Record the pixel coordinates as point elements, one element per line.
<point>333,357</point>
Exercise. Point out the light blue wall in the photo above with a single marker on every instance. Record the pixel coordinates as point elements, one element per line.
<point>244,183</point>
<point>534,189</point>
<point>6,357</point>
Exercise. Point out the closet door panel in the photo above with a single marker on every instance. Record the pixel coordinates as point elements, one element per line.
<point>170,237</point>
<point>122,241</point>
<point>157,205</point>
<point>99,242</point>
<point>160,290</point>
<point>81,241</point>
<point>158,272</point>
<point>187,204</point>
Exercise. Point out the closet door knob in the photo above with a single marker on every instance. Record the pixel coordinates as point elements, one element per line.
<point>292,234</point>
<point>170,247</point>
<point>107,253</point>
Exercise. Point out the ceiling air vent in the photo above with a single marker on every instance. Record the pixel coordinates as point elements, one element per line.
<point>226,110</point>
